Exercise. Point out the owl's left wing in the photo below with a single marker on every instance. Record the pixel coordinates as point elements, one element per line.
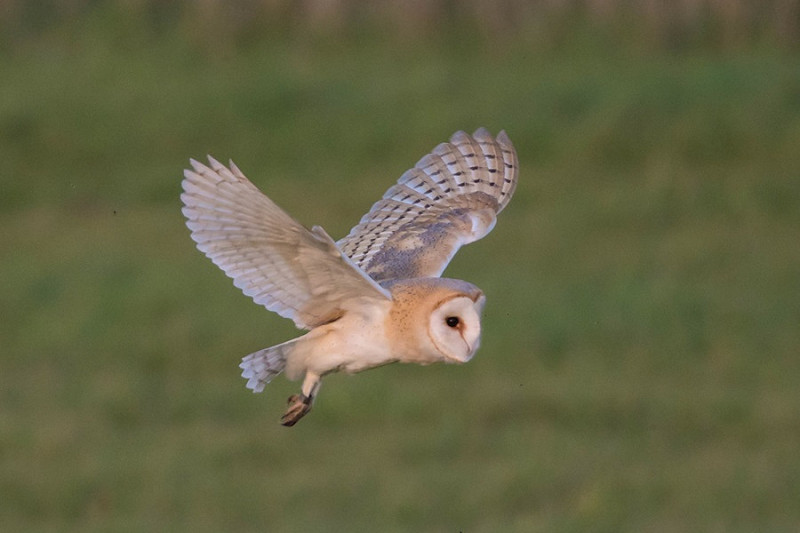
<point>450,198</point>
<point>297,273</point>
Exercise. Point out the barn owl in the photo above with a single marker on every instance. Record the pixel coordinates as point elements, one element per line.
<point>376,296</point>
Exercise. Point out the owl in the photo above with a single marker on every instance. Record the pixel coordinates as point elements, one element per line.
<point>376,296</point>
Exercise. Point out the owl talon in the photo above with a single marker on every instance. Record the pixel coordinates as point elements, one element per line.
<point>299,405</point>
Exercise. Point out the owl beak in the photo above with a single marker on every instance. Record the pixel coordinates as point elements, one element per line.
<point>469,348</point>
<point>458,360</point>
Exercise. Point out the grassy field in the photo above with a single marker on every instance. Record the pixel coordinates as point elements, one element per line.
<point>641,355</point>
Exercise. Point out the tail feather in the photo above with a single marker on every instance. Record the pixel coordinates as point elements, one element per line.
<point>260,367</point>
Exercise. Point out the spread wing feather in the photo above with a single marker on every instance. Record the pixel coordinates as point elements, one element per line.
<point>272,258</point>
<point>450,198</point>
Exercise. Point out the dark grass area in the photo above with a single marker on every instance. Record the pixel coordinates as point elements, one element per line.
<point>640,361</point>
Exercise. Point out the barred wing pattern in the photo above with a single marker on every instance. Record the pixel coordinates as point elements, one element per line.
<point>297,273</point>
<point>450,198</point>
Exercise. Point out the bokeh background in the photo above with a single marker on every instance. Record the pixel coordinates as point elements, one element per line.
<point>641,359</point>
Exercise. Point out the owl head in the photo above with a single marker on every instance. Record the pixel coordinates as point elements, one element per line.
<point>437,319</point>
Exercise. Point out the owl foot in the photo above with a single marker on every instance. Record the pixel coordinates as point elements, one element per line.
<point>299,405</point>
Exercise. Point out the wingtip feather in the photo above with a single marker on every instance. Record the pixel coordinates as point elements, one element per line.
<point>503,139</point>
<point>197,165</point>
<point>235,169</point>
<point>458,137</point>
<point>482,133</point>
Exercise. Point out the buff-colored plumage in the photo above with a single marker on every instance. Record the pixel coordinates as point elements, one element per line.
<point>374,297</point>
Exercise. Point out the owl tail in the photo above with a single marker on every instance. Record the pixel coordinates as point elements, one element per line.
<point>260,367</point>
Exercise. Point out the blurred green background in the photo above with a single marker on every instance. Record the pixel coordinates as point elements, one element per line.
<point>640,363</point>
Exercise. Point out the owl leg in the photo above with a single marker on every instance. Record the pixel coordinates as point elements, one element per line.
<point>300,404</point>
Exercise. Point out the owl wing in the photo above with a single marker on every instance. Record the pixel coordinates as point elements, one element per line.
<point>272,258</point>
<point>450,198</point>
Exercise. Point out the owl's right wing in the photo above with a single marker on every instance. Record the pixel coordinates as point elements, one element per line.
<point>297,273</point>
<point>450,198</point>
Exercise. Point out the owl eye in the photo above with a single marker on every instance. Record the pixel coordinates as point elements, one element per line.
<point>452,321</point>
